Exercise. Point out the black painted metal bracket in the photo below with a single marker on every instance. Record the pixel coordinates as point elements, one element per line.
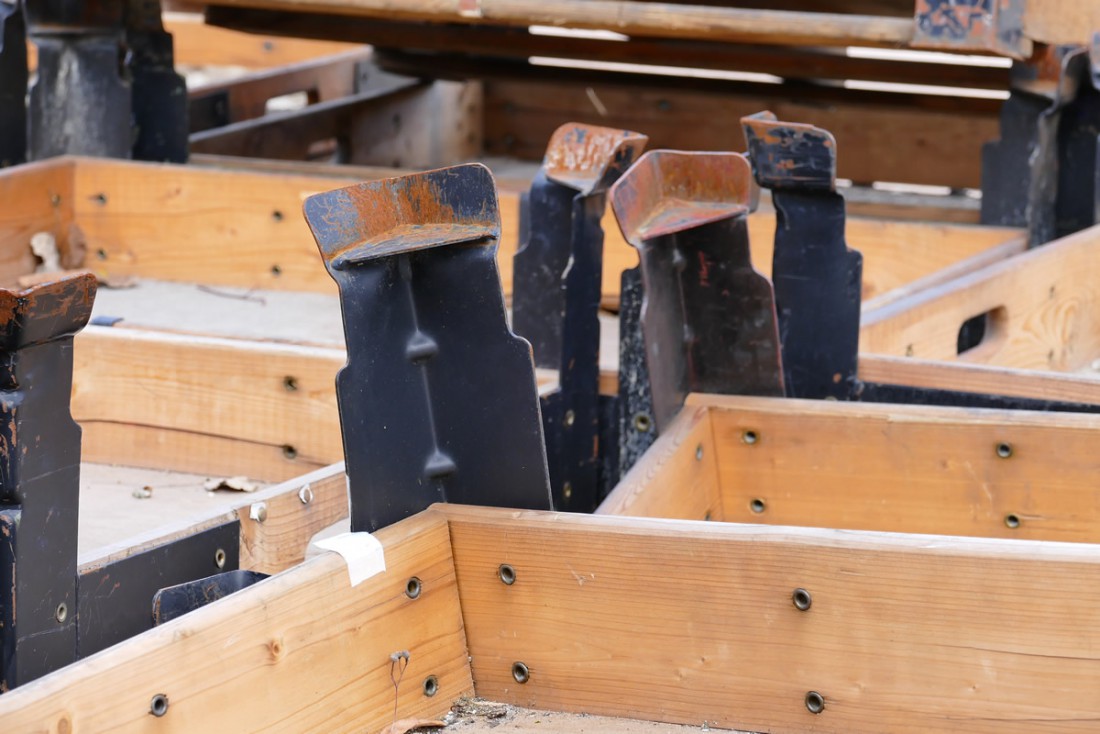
<point>817,279</point>
<point>708,318</point>
<point>115,599</point>
<point>556,300</point>
<point>13,84</point>
<point>438,401</point>
<point>80,101</point>
<point>106,83</point>
<point>159,94</point>
<point>1042,174</point>
<point>39,476</point>
<point>50,613</point>
<point>175,601</point>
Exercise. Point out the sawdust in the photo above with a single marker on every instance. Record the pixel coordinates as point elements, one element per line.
<point>475,716</point>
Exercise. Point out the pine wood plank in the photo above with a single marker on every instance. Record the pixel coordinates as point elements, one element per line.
<point>896,142</point>
<point>130,217</point>
<point>300,652</point>
<point>911,469</point>
<point>279,541</point>
<point>676,478</point>
<point>968,377</point>
<point>1044,306</point>
<point>684,621</point>
<point>196,44</point>
<point>201,404</point>
<point>199,44</point>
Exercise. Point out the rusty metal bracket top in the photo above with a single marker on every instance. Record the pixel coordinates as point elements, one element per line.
<point>39,476</point>
<point>438,400</point>
<point>1042,174</point>
<point>556,300</point>
<point>13,84</point>
<point>707,316</point>
<point>817,279</point>
<point>972,25</point>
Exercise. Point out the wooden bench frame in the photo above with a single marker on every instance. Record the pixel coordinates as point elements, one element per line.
<point>671,620</point>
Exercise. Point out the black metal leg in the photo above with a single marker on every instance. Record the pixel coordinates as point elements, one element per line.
<point>39,477</point>
<point>438,401</point>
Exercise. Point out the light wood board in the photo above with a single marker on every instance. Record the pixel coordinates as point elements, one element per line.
<point>685,621</point>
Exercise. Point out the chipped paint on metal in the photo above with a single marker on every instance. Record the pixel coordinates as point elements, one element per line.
<point>972,25</point>
<point>377,219</point>
<point>589,158</point>
<point>790,155</point>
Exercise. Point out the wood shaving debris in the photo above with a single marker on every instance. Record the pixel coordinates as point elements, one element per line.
<point>404,726</point>
<point>235,484</point>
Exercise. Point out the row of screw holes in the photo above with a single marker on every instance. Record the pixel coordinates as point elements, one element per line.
<point>413,588</point>
<point>101,199</point>
<point>158,706</point>
<point>757,505</point>
<point>801,598</point>
<point>815,702</point>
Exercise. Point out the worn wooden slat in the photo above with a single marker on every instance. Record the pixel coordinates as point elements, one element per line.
<point>295,511</point>
<point>632,18</point>
<point>206,405</point>
<point>689,622</point>
<point>37,198</point>
<point>676,478</point>
<point>981,378</point>
<point>912,469</point>
<point>322,79</point>
<point>130,218</point>
<point>196,44</point>
<point>1044,308</point>
<point>875,142</point>
<point>943,274</point>
<point>300,652</point>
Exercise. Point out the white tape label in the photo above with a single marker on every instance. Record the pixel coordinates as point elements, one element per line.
<point>361,551</point>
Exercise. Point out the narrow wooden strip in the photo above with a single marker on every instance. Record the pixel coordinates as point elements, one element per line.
<point>1043,308</point>
<point>272,546</point>
<point>155,447</point>
<point>199,44</point>
<point>676,478</point>
<point>233,391</point>
<point>946,273</point>
<point>131,217</point>
<point>903,468</point>
<point>689,622</point>
<point>979,378</point>
<point>894,140</point>
<point>295,511</point>
<point>300,652</point>
<point>322,79</point>
<point>663,20</point>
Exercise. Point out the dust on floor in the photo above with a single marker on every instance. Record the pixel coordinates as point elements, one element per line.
<point>476,716</point>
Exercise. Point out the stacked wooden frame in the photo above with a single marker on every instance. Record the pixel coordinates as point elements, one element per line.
<point>774,565</point>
